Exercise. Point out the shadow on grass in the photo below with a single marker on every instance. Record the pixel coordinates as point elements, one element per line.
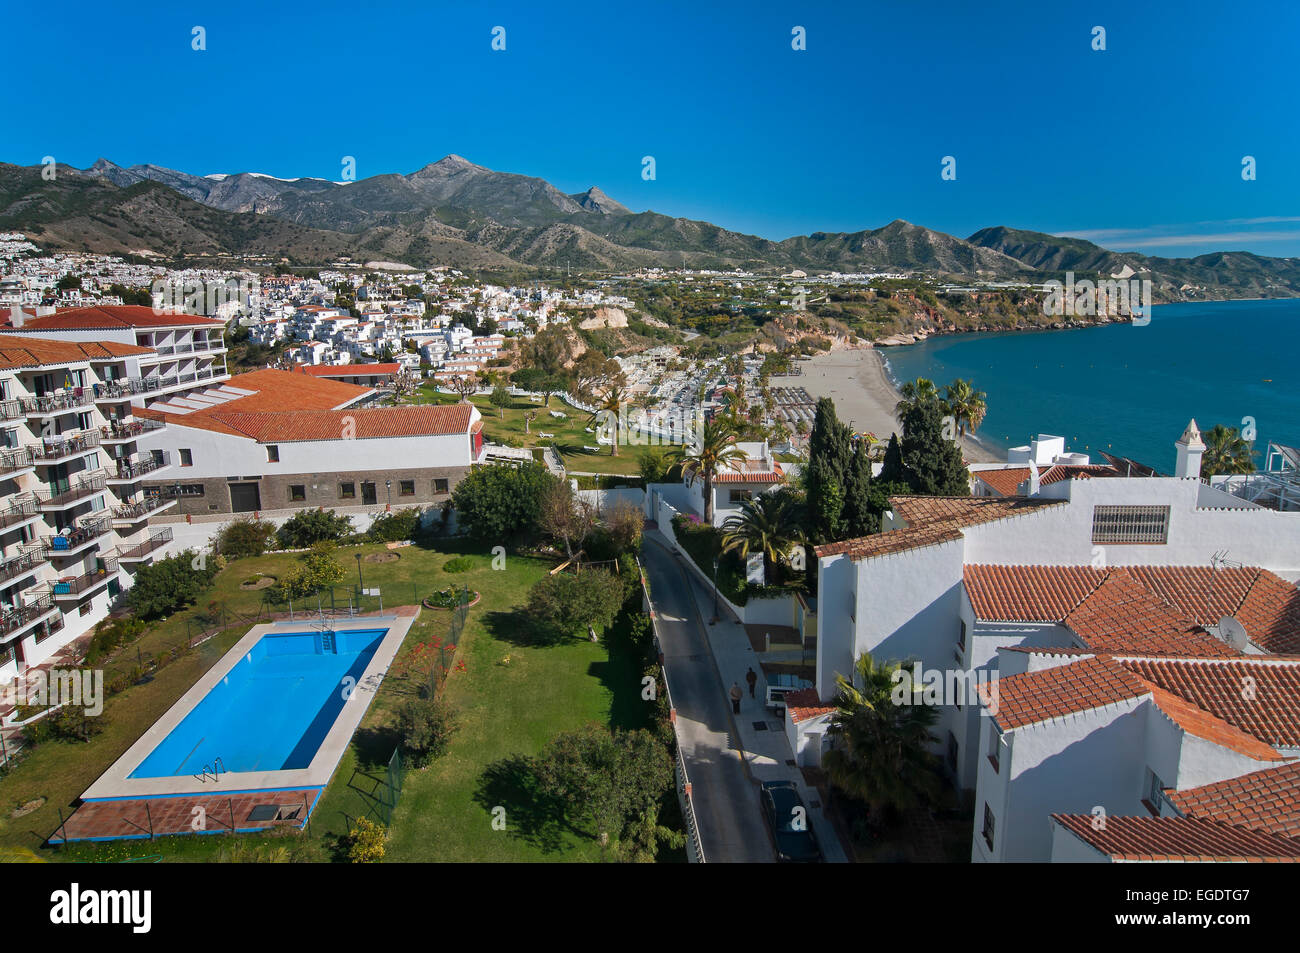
<point>516,628</point>
<point>531,816</point>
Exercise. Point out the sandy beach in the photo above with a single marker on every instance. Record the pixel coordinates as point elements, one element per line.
<point>864,398</point>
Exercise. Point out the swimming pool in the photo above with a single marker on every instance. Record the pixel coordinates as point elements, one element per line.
<point>272,710</point>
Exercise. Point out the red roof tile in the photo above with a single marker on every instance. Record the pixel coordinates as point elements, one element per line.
<point>348,370</point>
<point>1007,481</point>
<point>1267,800</point>
<point>1178,839</point>
<point>1028,593</point>
<point>1211,728</point>
<point>805,704</point>
<point>1121,617</point>
<point>359,424</point>
<point>1089,683</point>
<point>116,316</point>
<point>17,351</point>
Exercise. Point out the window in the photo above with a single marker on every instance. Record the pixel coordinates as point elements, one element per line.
<point>272,453</point>
<point>187,457</point>
<point>740,496</point>
<point>1130,524</point>
<point>407,488</point>
<point>347,491</point>
<point>995,744</point>
<point>1155,794</point>
<point>988,826</point>
<point>439,486</point>
<point>182,489</point>
<point>297,492</point>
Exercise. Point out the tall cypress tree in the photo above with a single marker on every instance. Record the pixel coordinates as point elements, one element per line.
<point>893,471</point>
<point>858,517</point>
<point>830,453</point>
<point>934,465</point>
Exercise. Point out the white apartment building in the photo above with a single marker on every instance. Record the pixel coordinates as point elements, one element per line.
<point>73,522</point>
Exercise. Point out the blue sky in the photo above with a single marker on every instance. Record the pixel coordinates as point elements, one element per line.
<point>1139,146</point>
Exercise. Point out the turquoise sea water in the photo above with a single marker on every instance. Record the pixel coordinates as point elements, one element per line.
<point>1125,389</point>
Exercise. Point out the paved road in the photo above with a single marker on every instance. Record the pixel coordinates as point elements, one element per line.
<point>726,800</point>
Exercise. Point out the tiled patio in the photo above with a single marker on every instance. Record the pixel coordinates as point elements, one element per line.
<point>157,817</point>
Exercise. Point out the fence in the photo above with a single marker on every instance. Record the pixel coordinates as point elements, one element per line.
<point>393,785</point>
<point>685,794</point>
<point>438,670</point>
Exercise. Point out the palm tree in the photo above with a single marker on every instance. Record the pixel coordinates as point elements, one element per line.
<point>882,757</point>
<point>915,392</point>
<point>966,404</point>
<point>715,450</point>
<point>1226,452</point>
<point>613,403</point>
<point>769,524</point>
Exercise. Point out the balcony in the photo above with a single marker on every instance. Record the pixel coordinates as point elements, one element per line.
<point>74,587</point>
<point>79,490</point>
<point>11,409</point>
<point>79,398</point>
<point>57,449</point>
<point>25,562</point>
<point>13,618</point>
<point>129,513</point>
<point>14,459</point>
<point>125,432</point>
<point>128,472</point>
<point>76,538</point>
<point>143,551</point>
<point>20,510</point>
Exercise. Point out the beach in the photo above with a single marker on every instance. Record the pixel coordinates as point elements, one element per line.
<point>864,396</point>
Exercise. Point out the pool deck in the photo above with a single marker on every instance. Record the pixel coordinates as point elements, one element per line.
<point>213,813</point>
<point>115,784</point>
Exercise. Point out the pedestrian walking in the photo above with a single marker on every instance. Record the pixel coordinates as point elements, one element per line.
<point>752,678</point>
<point>736,695</point>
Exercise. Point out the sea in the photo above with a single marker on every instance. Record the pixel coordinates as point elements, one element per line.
<point>1129,389</point>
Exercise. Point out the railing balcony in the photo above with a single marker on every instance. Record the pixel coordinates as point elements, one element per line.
<point>138,510</point>
<point>15,617</point>
<point>154,542</point>
<point>71,587</point>
<point>15,458</point>
<point>23,563</point>
<point>121,432</point>
<point>58,403</point>
<point>74,537</point>
<point>136,470</point>
<point>11,409</point>
<point>79,490</point>
<point>19,510</point>
<point>120,389</point>
<point>54,449</point>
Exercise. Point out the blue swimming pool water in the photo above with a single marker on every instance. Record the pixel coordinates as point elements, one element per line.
<point>272,710</point>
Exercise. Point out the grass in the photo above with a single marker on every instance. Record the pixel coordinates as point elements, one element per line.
<point>511,699</point>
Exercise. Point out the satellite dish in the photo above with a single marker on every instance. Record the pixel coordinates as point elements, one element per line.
<point>1233,632</point>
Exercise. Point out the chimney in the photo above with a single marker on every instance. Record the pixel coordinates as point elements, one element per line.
<point>17,316</point>
<point>1034,481</point>
<point>1190,446</point>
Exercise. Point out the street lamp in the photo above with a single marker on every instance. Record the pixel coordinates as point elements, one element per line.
<point>360,583</point>
<point>388,485</point>
<point>715,592</point>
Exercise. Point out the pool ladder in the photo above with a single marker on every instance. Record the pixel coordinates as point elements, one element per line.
<point>215,770</point>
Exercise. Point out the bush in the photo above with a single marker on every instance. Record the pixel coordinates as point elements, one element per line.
<point>567,605</point>
<point>459,564</point>
<point>70,723</point>
<point>426,726</point>
<point>307,527</point>
<point>317,569</point>
<point>245,537</point>
<point>111,634</point>
<point>499,503</point>
<point>170,584</point>
<point>392,527</point>
<point>365,842</point>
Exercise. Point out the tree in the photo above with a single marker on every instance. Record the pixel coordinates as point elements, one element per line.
<point>892,470</point>
<point>245,537</point>
<point>934,464</point>
<point>624,523</point>
<point>882,755</point>
<point>856,512</point>
<point>770,524</point>
<point>830,452</point>
<point>564,605</point>
<point>170,584</point>
<point>501,503</point>
<point>966,405</point>
<point>307,527</point>
<point>426,726</point>
<point>464,386</point>
<point>500,399</point>
<point>714,451</point>
<point>317,569</point>
<point>1226,452</point>
<point>611,406</point>
<point>565,516</point>
<point>921,390</point>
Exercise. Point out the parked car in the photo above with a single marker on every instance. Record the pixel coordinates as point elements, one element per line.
<point>788,820</point>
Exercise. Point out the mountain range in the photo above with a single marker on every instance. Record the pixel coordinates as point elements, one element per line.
<point>453,212</point>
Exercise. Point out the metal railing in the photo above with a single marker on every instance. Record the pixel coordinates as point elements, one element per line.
<point>11,409</point>
<point>138,509</point>
<point>23,563</point>
<point>15,458</point>
<point>76,585</point>
<point>55,448</point>
<point>15,617</point>
<point>82,488</point>
<point>20,508</point>
<point>128,431</point>
<point>133,471</point>
<point>76,536</point>
<point>50,403</point>
<point>155,541</point>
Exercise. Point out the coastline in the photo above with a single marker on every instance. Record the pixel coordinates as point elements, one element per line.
<point>865,396</point>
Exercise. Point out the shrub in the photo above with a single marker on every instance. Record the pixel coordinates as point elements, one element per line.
<point>111,634</point>
<point>501,502</point>
<point>459,564</point>
<point>365,842</point>
<point>170,584</point>
<point>307,527</point>
<point>245,537</point>
<point>70,723</point>
<point>567,604</point>
<point>426,726</point>
<point>317,569</point>
<point>392,527</point>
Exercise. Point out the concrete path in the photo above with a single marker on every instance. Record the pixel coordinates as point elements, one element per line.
<point>732,755</point>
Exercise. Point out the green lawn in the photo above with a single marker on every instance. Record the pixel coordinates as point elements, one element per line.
<point>506,709</point>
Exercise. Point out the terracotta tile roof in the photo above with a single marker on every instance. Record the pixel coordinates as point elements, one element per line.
<point>17,351</point>
<point>931,520</point>
<point>1260,698</point>
<point>1179,839</point>
<point>1267,800</point>
<point>775,475</point>
<point>1028,593</point>
<point>805,704</point>
<point>1006,482</point>
<point>362,424</point>
<point>1270,613</point>
<point>348,370</point>
<point>1064,690</point>
<point>1121,617</point>
<point>1204,725</point>
<point>114,317</point>
<point>1202,593</point>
